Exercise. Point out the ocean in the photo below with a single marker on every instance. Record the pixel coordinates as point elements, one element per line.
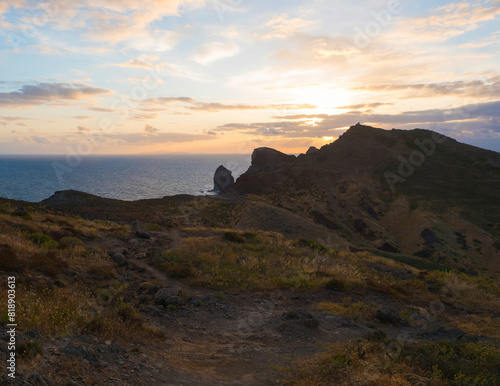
<point>35,178</point>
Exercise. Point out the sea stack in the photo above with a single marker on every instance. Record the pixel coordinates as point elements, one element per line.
<point>223,180</point>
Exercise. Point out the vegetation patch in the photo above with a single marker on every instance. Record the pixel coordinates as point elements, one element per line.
<point>265,261</point>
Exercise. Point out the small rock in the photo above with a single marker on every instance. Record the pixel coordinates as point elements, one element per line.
<point>108,343</point>
<point>174,300</point>
<point>150,310</point>
<point>163,293</point>
<point>119,259</point>
<point>37,380</point>
<point>34,334</point>
<point>154,253</point>
<point>72,351</point>
<point>143,235</point>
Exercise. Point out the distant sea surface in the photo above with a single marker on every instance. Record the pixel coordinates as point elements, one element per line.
<point>35,178</point>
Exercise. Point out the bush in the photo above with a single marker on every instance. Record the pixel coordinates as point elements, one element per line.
<point>179,272</point>
<point>335,285</point>
<point>9,262</point>
<point>22,214</point>
<point>377,336</point>
<point>29,349</point>
<point>49,264</point>
<point>68,242</point>
<point>127,313</point>
<point>233,237</point>
<point>311,244</point>
<point>153,227</point>
<point>461,363</point>
<point>44,241</point>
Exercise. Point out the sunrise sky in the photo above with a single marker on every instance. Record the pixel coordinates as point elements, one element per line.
<point>227,76</point>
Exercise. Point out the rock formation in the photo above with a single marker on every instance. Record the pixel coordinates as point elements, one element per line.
<point>265,159</point>
<point>223,180</point>
<point>312,150</point>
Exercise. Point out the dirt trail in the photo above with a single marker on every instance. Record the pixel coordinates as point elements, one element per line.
<point>227,338</point>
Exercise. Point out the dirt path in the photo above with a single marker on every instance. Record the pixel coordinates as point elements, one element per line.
<point>225,338</point>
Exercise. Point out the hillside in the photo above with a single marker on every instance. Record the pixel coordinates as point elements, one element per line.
<point>312,271</point>
<point>414,193</point>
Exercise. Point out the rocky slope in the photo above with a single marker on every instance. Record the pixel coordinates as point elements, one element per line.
<point>415,193</point>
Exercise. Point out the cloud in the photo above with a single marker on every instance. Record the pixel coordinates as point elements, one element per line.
<point>102,109</point>
<point>150,129</point>
<point>481,119</point>
<point>131,23</point>
<point>145,80</point>
<point>3,8</point>
<point>40,140</point>
<point>83,129</point>
<point>46,93</point>
<point>140,138</point>
<point>215,51</point>
<point>140,63</point>
<point>281,27</point>
<point>12,119</point>
<point>364,106</point>
<point>83,117</point>
<point>446,22</point>
<point>143,117</point>
<point>489,88</point>
<point>165,101</point>
<point>154,67</point>
<point>188,103</point>
<point>217,107</point>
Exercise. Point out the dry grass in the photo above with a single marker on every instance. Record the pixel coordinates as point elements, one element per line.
<point>350,309</point>
<point>262,260</point>
<point>46,247</point>
<point>420,363</point>
<point>49,310</point>
<point>366,363</point>
<point>481,293</point>
<point>485,325</point>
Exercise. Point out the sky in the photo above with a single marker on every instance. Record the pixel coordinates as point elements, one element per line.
<point>227,76</point>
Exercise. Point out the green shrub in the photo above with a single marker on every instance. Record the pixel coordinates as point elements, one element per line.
<point>460,363</point>
<point>153,227</point>
<point>22,214</point>
<point>377,336</point>
<point>127,313</point>
<point>44,241</point>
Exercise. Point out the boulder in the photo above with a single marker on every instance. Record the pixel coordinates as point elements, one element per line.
<point>119,259</point>
<point>223,180</point>
<point>166,296</point>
